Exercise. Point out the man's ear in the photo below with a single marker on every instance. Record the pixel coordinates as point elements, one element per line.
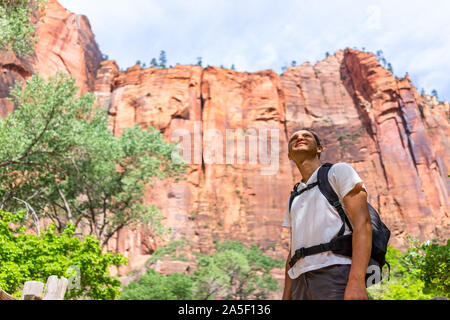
<point>319,149</point>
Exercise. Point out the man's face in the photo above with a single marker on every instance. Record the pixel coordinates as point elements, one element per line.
<point>302,140</point>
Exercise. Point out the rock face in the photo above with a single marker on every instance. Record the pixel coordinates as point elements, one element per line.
<point>65,43</point>
<point>396,139</point>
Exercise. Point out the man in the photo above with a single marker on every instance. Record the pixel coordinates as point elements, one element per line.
<point>313,220</point>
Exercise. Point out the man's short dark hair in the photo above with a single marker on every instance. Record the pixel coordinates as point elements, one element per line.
<point>316,138</point>
<point>314,135</point>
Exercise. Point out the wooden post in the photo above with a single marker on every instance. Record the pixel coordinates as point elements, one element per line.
<point>32,290</point>
<point>6,296</point>
<point>55,288</point>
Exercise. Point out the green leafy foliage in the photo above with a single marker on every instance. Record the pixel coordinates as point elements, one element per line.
<point>153,286</point>
<point>17,29</point>
<point>25,256</point>
<point>421,273</point>
<point>433,262</point>
<point>434,93</point>
<point>60,159</point>
<point>235,272</point>
<point>162,59</point>
<point>232,272</point>
<point>172,250</point>
<point>161,62</point>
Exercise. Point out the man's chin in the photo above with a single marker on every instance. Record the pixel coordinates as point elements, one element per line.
<point>301,148</point>
<point>302,153</point>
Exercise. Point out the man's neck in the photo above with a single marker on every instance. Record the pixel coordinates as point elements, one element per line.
<point>307,167</point>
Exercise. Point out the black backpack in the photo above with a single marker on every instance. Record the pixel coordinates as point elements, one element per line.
<point>342,244</point>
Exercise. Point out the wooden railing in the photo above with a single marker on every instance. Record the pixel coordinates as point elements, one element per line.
<point>55,289</point>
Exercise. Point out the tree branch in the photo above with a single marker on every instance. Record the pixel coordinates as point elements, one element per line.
<point>33,213</point>
<point>33,143</point>
<point>111,233</point>
<point>69,212</point>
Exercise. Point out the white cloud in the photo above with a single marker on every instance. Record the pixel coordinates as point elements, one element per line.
<point>261,34</point>
<point>269,55</point>
<point>374,18</point>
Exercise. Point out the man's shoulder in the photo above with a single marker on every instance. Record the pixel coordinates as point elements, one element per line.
<point>342,171</point>
<point>341,167</point>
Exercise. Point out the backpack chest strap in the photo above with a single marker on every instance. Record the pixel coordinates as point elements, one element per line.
<point>304,252</point>
<point>295,193</point>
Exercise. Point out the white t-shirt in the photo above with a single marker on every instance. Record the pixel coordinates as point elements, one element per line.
<point>314,220</point>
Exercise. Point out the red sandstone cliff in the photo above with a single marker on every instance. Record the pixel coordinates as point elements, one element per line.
<point>396,139</point>
<point>65,43</point>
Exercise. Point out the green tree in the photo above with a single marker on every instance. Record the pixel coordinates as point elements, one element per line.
<point>403,283</point>
<point>209,279</point>
<point>380,56</point>
<point>59,160</point>
<point>433,262</point>
<point>154,286</point>
<point>235,272</point>
<point>154,63</point>
<point>232,272</point>
<point>25,257</point>
<point>162,59</point>
<point>421,273</point>
<point>389,66</point>
<point>174,250</point>
<point>434,93</point>
<point>17,25</point>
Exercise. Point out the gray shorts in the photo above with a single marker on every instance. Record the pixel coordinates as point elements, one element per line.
<point>322,284</point>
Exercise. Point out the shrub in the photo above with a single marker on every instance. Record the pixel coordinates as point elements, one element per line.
<point>232,272</point>
<point>25,257</point>
<point>421,273</point>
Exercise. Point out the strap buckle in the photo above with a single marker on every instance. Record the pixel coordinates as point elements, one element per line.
<point>337,204</point>
<point>299,253</point>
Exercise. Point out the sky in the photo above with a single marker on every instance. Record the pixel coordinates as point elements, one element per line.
<point>256,35</point>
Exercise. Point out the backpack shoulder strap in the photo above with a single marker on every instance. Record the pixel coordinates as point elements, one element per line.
<point>330,194</point>
<point>295,193</point>
<point>324,183</point>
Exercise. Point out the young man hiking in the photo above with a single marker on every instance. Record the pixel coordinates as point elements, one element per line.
<point>313,220</point>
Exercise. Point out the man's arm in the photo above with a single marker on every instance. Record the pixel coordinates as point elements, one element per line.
<point>287,279</point>
<point>355,203</point>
